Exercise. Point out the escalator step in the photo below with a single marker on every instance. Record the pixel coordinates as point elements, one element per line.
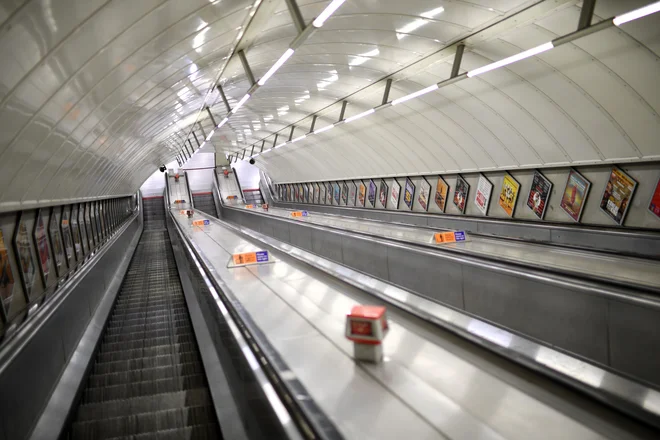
<point>150,422</point>
<point>197,432</point>
<point>149,334</point>
<point>145,342</point>
<point>136,364</point>
<point>139,353</point>
<point>159,386</point>
<point>144,374</point>
<point>146,326</point>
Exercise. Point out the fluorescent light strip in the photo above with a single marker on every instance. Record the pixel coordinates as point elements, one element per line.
<point>415,95</point>
<point>210,134</point>
<point>280,145</point>
<point>223,122</point>
<point>359,115</point>
<point>321,130</point>
<point>512,59</point>
<point>241,102</point>
<point>637,13</point>
<point>327,12</point>
<point>299,138</point>
<point>255,155</point>
<point>285,56</point>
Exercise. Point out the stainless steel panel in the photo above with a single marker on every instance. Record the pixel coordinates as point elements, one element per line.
<point>301,236</point>
<point>633,348</point>
<point>366,256</point>
<point>281,231</point>
<point>571,320</point>
<point>73,318</point>
<point>440,281</point>
<point>327,244</point>
<point>520,231</point>
<point>615,242</point>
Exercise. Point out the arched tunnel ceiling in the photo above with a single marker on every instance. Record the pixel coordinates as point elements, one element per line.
<point>95,94</point>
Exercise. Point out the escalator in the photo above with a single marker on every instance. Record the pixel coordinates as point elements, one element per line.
<point>147,380</point>
<point>204,202</point>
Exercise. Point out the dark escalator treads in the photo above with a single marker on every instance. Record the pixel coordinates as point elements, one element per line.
<point>147,381</point>
<point>205,203</point>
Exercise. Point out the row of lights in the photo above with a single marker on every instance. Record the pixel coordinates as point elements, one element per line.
<point>317,23</point>
<point>617,21</point>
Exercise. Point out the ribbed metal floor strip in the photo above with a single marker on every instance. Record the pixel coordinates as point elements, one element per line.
<point>147,381</point>
<point>205,203</point>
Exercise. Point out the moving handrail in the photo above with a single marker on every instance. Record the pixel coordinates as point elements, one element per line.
<point>271,372</point>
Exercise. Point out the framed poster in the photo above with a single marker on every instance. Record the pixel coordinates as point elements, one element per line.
<point>27,262</point>
<point>65,228</point>
<point>56,242</point>
<point>6,277</point>
<point>75,232</point>
<point>83,229</point>
<point>301,192</point>
<point>395,194</point>
<point>409,193</point>
<point>305,192</point>
<point>618,193</point>
<point>460,193</point>
<point>43,248</point>
<point>97,213</point>
<point>383,193</point>
<point>310,193</point>
<point>539,193</point>
<point>344,194</point>
<point>89,226</point>
<point>424,193</point>
<point>328,195</point>
<point>482,198</point>
<point>509,194</point>
<point>337,192</point>
<point>362,194</point>
<point>575,195</point>
<point>441,192</point>
<point>315,194</point>
<point>654,204</point>
<point>352,193</point>
<point>372,193</point>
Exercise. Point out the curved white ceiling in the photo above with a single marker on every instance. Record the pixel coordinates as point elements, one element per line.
<point>94,94</point>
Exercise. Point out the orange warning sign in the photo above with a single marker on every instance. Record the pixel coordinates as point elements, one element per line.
<point>444,237</point>
<point>249,206</point>
<point>246,258</point>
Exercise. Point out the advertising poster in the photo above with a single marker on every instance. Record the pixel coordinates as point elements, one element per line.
<point>43,248</point>
<point>352,193</point>
<point>618,193</point>
<point>302,192</point>
<point>310,192</point>
<point>460,193</point>
<point>305,193</point>
<point>26,259</point>
<point>394,195</point>
<point>424,193</point>
<point>6,276</point>
<point>362,194</point>
<point>509,194</point>
<point>482,198</point>
<point>575,195</point>
<point>75,232</point>
<point>337,192</point>
<point>328,194</point>
<point>372,193</point>
<point>83,229</point>
<point>654,204</point>
<point>441,192</point>
<point>383,193</point>
<point>315,197</point>
<point>409,194</point>
<point>539,193</point>
<point>287,196</point>
<point>88,226</point>
<point>344,194</point>
<point>56,241</point>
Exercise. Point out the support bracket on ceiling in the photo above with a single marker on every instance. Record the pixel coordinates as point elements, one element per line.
<point>296,16</point>
<point>252,151</point>
<point>311,128</point>
<point>246,67</point>
<point>275,140</point>
<point>458,57</point>
<point>201,129</point>
<point>263,144</point>
<point>196,140</point>
<point>191,146</point>
<point>586,14</point>
<point>224,98</point>
<point>343,110</point>
<point>293,127</point>
<point>243,154</point>
<point>208,110</point>
<point>386,94</point>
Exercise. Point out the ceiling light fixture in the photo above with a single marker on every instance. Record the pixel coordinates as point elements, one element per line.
<point>415,94</point>
<point>321,130</point>
<point>223,122</point>
<point>360,115</point>
<point>299,138</point>
<point>327,12</point>
<point>285,56</point>
<point>241,102</point>
<point>210,134</point>
<point>637,13</point>
<point>512,59</point>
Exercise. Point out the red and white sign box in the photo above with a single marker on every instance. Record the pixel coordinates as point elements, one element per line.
<point>367,326</point>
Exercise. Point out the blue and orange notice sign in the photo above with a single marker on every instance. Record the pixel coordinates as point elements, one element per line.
<point>249,206</point>
<point>201,222</point>
<point>299,214</point>
<point>449,237</point>
<point>248,258</point>
<point>179,201</point>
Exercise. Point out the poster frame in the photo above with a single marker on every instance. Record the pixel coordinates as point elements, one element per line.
<point>61,268</point>
<point>584,199</point>
<point>372,183</point>
<point>397,185</point>
<point>547,199</point>
<point>10,278</point>
<point>483,178</point>
<point>632,195</point>
<point>336,193</point>
<point>72,260</point>
<point>83,229</point>
<point>43,272</point>
<point>382,192</point>
<point>75,233</point>
<point>648,204</point>
<point>315,187</point>
<point>428,196</point>
<point>435,198</point>
<point>344,193</point>
<point>467,193</point>
<point>29,292</point>
<point>515,198</point>
<point>364,198</point>
<point>352,202</point>
<point>412,196</point>
<point>310,192</point>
